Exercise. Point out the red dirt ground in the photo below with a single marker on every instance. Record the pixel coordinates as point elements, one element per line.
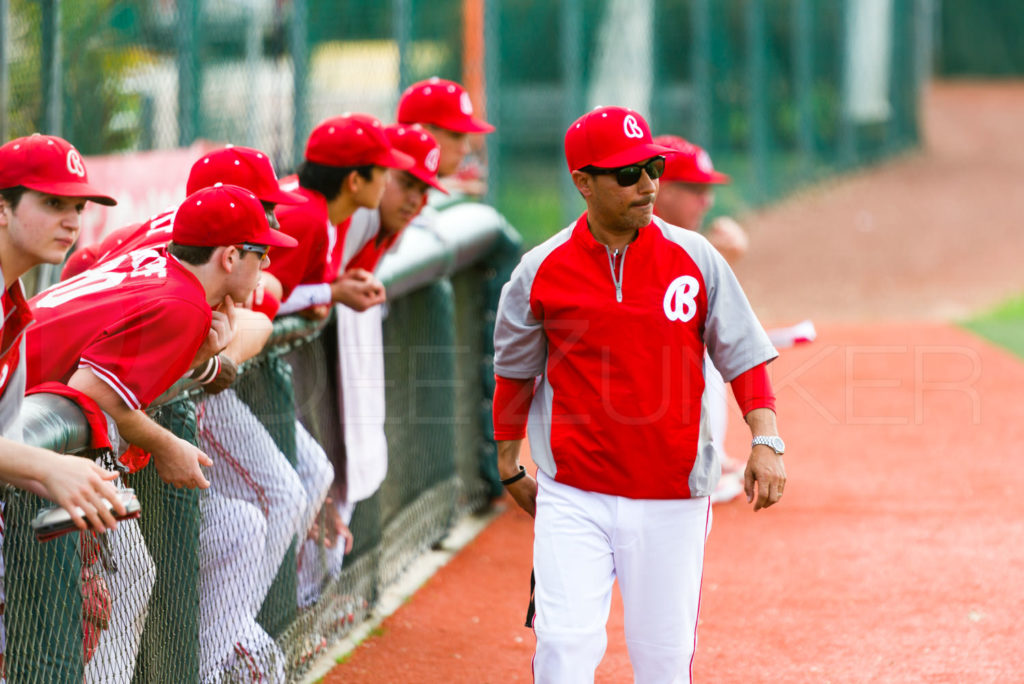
<point>896,553</point>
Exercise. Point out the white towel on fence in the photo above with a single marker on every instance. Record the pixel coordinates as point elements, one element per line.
<point>361,364</point>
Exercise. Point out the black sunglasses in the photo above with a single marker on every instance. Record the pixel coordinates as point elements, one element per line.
<point>262,250</point>
<point>630,175</point>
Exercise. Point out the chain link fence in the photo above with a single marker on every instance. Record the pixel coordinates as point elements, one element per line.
<point>218,585</point>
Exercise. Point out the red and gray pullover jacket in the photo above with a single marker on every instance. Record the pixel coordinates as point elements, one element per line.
<point>617,340</point>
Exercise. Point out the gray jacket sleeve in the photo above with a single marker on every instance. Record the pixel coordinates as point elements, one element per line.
<point>520,345</point>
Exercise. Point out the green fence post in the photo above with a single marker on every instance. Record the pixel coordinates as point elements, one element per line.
<point>703,106</point>
<point>572,87</point>
<point>50,66</point>
<point>757,100</point>
<point>803,80</point>
<point>189,85</point>
<point>298,39</point>
<point>847,128</point>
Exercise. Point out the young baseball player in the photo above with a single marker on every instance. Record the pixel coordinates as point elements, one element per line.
<point>43,189</point>
<point>446,111</point>
<point>599,343</point>
<point>685,195</point>
<point>345,167</point>
<point>124,332</point>
<point>371,233</point>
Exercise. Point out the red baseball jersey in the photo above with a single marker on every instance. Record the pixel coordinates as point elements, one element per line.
<point>364,246</point>
<point>317,257</point>
<point>136,320</point>
<point>15,318</point>
<point>154,232</point>
<point>618,341</point>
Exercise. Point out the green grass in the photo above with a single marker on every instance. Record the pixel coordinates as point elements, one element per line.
<point>1003,325</point>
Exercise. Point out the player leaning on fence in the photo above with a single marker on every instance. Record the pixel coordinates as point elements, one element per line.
<point>124,332</point>
<point>345,167</point>
<point>43,188</point>
<point>613,314</point>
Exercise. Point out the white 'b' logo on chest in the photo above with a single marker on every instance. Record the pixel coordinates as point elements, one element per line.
<point>75,164</point>
<point>681,299</point>
<point>631,128</point>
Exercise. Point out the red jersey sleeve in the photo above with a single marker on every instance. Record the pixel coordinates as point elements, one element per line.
<point>753,389</point>
<point>511,407</point>
<point>146,352</point>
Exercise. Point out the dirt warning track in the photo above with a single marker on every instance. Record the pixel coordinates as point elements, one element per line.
<point>895,555</point>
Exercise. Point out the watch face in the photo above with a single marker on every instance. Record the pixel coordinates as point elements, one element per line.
<point>775,443</point>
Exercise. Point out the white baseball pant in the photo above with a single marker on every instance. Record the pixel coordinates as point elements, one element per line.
<point>315,473</point>
<point>583,542</point>
<point>232,537</point>
<point>130,588</point>
<point>249,466</point>
<point>319,564</point>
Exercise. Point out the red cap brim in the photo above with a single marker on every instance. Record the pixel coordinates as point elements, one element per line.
<point>469,125</point>
<point>427,178</point>
<point>76,189</point>
<point>395,159</point>
<point>276,238</point>
<point>282,197</point>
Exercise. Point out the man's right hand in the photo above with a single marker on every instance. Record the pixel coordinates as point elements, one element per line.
<point>358,289</point>
<point>178,465</point>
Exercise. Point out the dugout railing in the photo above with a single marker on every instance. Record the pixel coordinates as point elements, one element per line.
<point>443,287</point>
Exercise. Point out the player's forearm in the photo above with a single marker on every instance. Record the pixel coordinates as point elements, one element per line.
<point>252,332</point>
<point>134,426</point>
<point>762,422</point>
<point>24,466</point>
<point>508,457</point>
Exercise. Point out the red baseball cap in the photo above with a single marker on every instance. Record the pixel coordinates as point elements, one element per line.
<point>224,215</point>
<point>609,137</point>
<point>441,103</point>
<point>46,163</point>
<point>688,163</point>
<point>244,167</point>
<point>416,142</point>
<point>353,140</point>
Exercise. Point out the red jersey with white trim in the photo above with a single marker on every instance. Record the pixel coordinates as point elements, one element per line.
<point>136,320</point>
<point>364,246</point>
<point>15,318</point>
<point>618,341</point>
<point>152,233</point>
<point>317,257</point>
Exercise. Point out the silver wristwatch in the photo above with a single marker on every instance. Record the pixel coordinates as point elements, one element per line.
<point>776,443</point>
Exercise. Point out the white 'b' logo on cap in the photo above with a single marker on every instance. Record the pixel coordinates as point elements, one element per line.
<point>631,128</point>
<point>704,162</point>
<point>681,299</point>
<point>75,164</point>
<point>433,159</point>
